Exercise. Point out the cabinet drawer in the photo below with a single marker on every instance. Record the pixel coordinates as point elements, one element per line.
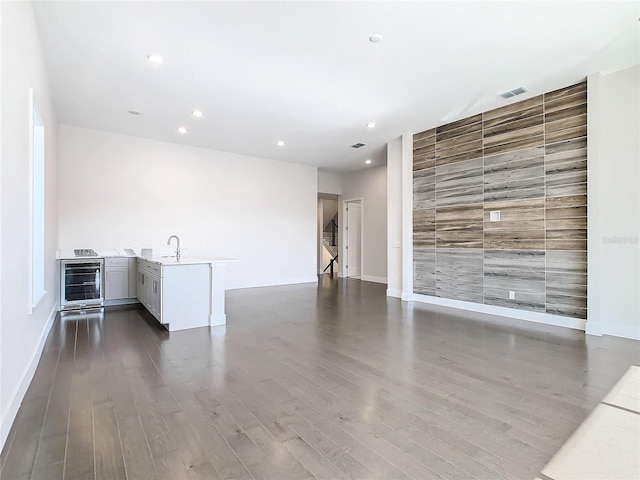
<point>116,262</point>
<point>150,267</point>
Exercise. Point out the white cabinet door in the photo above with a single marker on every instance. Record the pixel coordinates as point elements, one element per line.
<point>116,283</point>
<point>142,286</point>
<point>133,275</point>
<point>156,295</point>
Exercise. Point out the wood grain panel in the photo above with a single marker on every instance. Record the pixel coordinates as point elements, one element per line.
<point>530,141</point>
<point>513,212</point>
<point>424,139</point>
<point>510,127</point>
<point>513,116</point>
<point>534,302</point>
<point>528,160</point>
<point>518,270</point>
<point>453,126</point>
<point>568,134</point>
<point>459,132</point>
<point>566,168</point>
<point>565,124</point>
<point>424,150</point>
<point>458,149</point>
<point>459,183</point>
<point>424,228</point>
<point>517,170</point>
<point>514,244</point>
<point>577,111</point>
<point>473,136</point>
<point>424,161</point>
<point>424,271</point>
<point>424,189</point>
<point>469,155</point>
<point>517,156</point>
<point>514,136</point>
<point>566,291</point>
<point>519,227</point>
<point>561,93</point>
<point>459,141</point>
<point>513,107</point>
<point>459,274</point>
<point>551,106</point>
<point>515,190</point>
<point>424,134</point>
<point>569,102</point>
<point>553,244</point>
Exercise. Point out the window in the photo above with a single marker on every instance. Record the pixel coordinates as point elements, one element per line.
<point>36,254</point>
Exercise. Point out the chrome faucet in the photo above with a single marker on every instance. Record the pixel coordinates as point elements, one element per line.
<point>177,246</point>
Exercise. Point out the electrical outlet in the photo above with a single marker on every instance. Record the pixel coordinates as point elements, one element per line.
<point>512,294</point>
<point>494,216</point>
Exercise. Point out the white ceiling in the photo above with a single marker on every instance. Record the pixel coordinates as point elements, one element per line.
<point>306,73</point>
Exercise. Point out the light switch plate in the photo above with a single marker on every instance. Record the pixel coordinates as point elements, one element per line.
<point>512,294</point>
<point>494,216</point>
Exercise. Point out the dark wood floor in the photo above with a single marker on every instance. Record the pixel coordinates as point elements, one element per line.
<point>330,382</point>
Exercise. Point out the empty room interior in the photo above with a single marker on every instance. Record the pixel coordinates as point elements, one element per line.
<point>319,240</point>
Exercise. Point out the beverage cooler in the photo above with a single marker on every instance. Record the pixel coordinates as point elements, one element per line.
<point>81,283</point>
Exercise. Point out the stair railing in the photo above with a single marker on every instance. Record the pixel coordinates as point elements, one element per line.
<point>330,265</point>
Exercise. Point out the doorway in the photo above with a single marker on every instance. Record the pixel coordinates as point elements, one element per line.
<point>352,211</point>
<point>328,234</point>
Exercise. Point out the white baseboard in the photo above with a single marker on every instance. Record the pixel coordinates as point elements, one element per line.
<point>217,320</point>
<point>625,331</point>
<point>594,329</point>
<point>120,301</point>
<point>544,318</point>
<point>275,283</point>
<point>371,278</point>
<point>406,297</point>
<point>394,293</point>
<point>27,375</point>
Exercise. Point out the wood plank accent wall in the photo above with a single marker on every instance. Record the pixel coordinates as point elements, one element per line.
<point>527,160</point>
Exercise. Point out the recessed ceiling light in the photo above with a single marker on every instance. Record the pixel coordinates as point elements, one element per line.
<point>134,112</point>
<point>375,38</point>
<point>371,125</point>
<point>368,161</point>
<point>280,143</point>
<point>197,113</point>
<point>183,130</point>
<point>155,58</point>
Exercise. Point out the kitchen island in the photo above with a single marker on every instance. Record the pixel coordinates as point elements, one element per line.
<point>180,294</point>
<point>185,293</point>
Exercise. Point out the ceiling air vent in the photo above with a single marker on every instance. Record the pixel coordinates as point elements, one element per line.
<point>514,92</point>
<point>357,145</point>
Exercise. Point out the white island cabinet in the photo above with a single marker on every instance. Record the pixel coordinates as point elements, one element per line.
<point>116,273</point>
<point>183,294</point>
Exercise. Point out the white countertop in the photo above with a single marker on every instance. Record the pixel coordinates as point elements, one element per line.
<point>159,259</point>
<point>171,260</point>
<point>69,255</point>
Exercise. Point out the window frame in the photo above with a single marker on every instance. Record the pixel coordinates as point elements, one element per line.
<point>37,207</point>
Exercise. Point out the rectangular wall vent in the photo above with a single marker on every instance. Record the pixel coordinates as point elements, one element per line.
<point>357,145</point>
<point>514,92</point>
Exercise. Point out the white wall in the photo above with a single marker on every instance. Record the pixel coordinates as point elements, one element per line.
<point>394,217</point>
<point>22,336</point>
<point>371,186</point>
<point>118,191</point>
<point>614,203</point>
<point>329,183</point>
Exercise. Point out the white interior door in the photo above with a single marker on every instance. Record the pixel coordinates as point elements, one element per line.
<point>354,239</point>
